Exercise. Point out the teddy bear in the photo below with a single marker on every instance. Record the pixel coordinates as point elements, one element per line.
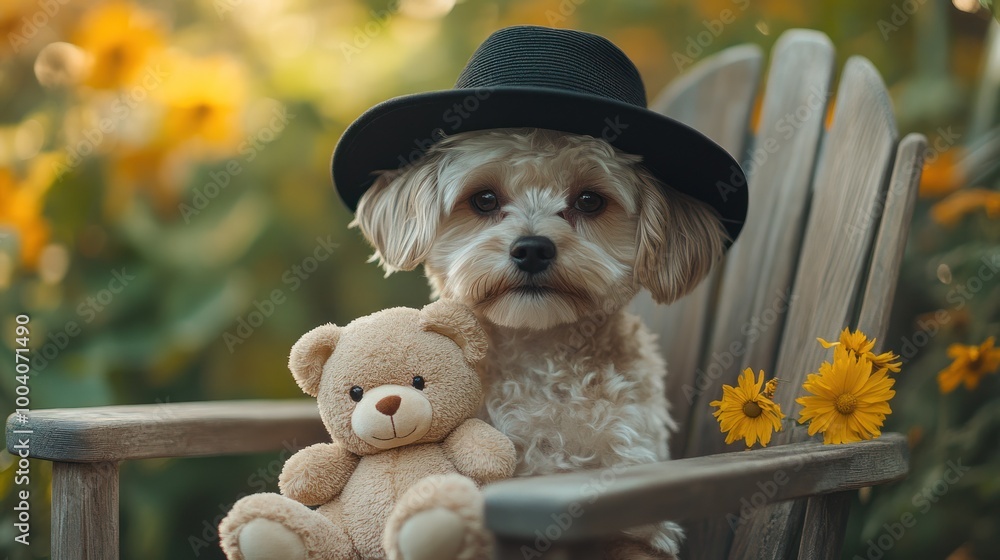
<point>398,392</point>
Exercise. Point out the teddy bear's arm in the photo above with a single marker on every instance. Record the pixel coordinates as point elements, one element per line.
<point>316,474</point>
<point>481,452</point>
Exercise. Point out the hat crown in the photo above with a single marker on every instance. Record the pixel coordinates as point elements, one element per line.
<point>559,59</point>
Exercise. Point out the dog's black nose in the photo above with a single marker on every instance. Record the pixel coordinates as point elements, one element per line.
<point>533,254</point>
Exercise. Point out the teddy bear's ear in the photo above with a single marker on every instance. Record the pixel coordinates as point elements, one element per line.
<point>310,354</point>
<point>457,322</point>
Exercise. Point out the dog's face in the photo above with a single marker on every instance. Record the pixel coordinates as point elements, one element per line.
<point>534,228</point>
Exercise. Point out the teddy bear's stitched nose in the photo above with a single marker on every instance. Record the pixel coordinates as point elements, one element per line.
<point>388,405</point>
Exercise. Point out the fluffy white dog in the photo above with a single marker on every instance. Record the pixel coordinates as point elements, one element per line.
<point>547,236</point>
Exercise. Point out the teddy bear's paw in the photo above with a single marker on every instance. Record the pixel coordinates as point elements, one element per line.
<point>269,526</point>
<point>439,517</point>
<point>263,539</point>
<point>434,534</point>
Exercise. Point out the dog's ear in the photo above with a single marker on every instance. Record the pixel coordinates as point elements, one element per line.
<point>400,214</point>
<point>678,241</point>
<point>457,322</point>
<point>310,354</point>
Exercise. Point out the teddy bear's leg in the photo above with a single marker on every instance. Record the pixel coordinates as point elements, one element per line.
<point>438,518</point>
<point>273,527</point>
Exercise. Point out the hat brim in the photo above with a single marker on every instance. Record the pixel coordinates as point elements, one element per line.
<point>398,131</point>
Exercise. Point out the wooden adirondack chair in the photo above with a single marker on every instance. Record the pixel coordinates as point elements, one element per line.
<point>829,214</point>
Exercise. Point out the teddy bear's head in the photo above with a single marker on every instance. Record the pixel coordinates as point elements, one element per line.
<point>395,377</point>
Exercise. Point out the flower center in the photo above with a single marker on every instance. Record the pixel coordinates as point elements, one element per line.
<point>752,409</point>
<point>846,403</point>
<point>975,358</point>
<point>116,56</point>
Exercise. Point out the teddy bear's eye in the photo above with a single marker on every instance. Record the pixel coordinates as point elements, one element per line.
<point>418,383</point>
<point>357,393</point>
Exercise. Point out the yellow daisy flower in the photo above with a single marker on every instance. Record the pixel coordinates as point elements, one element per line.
<point>859,343</point>
<point>745,412</point>
<point>952,209</point>
<point>205,100</point>
<point>849,402</point>
<point>120,38</point>
<point>770,387</point>
<point>944,175</point>
<point>15,24</point>
<point>24,202</point>
<point>970,364</point>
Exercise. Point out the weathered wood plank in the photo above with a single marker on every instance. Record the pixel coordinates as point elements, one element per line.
<point>549,548</point>
<point>607,501</point>
<point>85,511</point>
<point>825,541</point>
<point>851,179</point>
<point>756,283</point>
<point>824,526</point>
<point>116,433</point>
<point>716,97</point>
<point>890,242</point>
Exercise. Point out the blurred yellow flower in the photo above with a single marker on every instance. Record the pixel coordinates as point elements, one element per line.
<point>858,343</point>
<point>140,170</point>
<point>205,99</point>
<point>969,365</point>
<point>22,200</point>
<point>848,402</point>
<point>747,412</point>
<point>952,209</point>
<point>120,38</point>
<point>943,175</point>
<point>13,26</point>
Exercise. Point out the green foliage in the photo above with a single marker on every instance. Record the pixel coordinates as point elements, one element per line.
<point>201,260</point>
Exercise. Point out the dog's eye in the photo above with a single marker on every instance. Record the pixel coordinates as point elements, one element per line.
<point>418,383</point>
<point>356,393</point>
<point>589,202</point>
<point>485,202</point>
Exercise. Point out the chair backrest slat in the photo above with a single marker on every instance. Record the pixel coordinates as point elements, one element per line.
<point>890,242</point>
<point>756,284</point>
<point>851,179</point>
<point>826,516</point>
<point>755,287</point>
<point>716,98</point>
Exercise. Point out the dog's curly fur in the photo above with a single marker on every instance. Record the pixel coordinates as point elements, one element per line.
<point>572,379</point>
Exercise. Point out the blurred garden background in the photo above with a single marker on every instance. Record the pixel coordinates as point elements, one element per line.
<point>164,177</point>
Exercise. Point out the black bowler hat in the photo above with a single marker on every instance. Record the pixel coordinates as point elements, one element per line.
<point>557,79</point>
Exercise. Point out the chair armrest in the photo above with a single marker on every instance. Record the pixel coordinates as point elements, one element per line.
<point>116,433</point>
<point>591,504</point>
